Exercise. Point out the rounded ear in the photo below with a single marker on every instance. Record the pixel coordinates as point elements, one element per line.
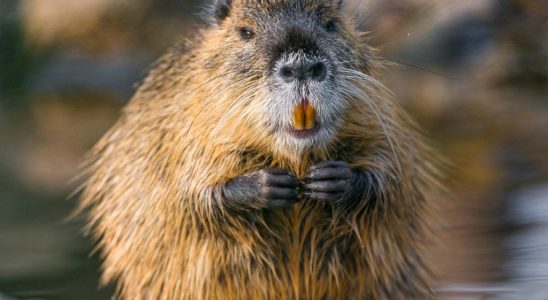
<point>221,9</point>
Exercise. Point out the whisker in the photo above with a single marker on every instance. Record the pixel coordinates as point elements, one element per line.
<point>412,66</point>
<point>352,74</point>
<point>243,99</point>
<point>206,104</point>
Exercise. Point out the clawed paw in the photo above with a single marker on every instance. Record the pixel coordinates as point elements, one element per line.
<point>328,181</point>
<point>278,187</point>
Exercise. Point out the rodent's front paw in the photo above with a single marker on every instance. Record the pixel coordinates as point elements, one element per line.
<point>328,181</point>
<point>278,187</point>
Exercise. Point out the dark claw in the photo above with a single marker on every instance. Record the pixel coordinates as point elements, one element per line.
<point>328,186</point>
<point>282,180</point>
<point>280,193</point>
<point>329,173</point>
<point>329,163</point>
<point>276,171</point>
<point>325,196</point>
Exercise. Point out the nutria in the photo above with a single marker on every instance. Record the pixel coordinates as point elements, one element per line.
<point>263,160</point>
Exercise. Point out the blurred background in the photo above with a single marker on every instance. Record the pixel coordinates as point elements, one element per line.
<point>472,72</point>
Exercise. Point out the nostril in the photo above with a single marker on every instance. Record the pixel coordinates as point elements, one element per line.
<point>317,71</point>
<point>287,72</point>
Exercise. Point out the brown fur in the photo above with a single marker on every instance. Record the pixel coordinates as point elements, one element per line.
<point>152,192</point>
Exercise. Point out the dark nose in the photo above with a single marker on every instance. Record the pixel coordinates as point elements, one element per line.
<point>303,71</point>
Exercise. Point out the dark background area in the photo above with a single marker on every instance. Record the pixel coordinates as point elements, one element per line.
<point>473,73</point>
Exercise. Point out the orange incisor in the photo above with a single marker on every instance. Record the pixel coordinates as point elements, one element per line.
<point>304,116</point>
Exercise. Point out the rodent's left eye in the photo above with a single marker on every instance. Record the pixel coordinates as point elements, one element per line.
<point>246,33</point>
<point>330,26</point>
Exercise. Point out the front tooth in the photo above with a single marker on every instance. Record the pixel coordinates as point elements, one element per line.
<point>299,117</point>
<point>310,116</point>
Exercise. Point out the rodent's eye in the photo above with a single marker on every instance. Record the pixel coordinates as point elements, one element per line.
<point>330,26</point>
<point>246,33</point>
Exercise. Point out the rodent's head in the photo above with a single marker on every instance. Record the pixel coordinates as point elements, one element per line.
<point>297,53</point>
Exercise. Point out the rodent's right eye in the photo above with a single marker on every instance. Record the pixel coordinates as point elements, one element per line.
<point>331,26</point>
<point>246,33</point>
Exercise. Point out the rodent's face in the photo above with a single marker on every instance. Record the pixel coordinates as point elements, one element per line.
<point>295,52</point>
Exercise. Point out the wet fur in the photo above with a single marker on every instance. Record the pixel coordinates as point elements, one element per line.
<point>195,123</point>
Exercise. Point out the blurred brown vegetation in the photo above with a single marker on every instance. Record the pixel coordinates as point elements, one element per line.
<point>473,73</point>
